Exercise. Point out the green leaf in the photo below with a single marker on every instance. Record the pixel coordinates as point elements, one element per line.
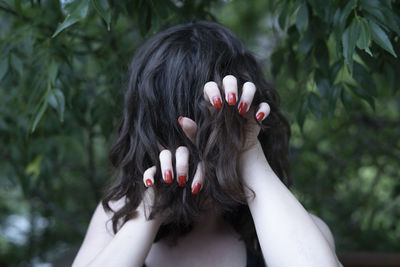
<point>103,9</point>
<point>39,116</point>
<point>365,35</point>
<point>349,39</point>
<point>3,68</point>
<point>306,42</point>
<point>33,167</point>
<point>302,112</point>
<point>315,105</point>
<point>16,63</point>
<point>382,13</point>
<point>346,99</point>
<point>340,19</point>
<point>302,18</point>
<point>283,16</point>
<point>334,70</point>
<point>52,72</point>
<point>57,101</point>
<point>364,79</point>
<point>324,87</point>
<point>360,93</point>
<point>76,11</point>
<point>380,37</point>
<point>322,56</point>
<point>334,93</point>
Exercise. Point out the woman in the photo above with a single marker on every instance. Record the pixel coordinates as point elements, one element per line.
<point>198,111</point>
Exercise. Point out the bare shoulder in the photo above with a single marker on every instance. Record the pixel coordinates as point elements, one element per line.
<point>99,233</point>
<point>324,228</point>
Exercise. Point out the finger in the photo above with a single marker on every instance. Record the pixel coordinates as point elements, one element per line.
<point>189,127</point>
<point>246,98</point>
<point>230,88</point>
<point>166,165</point>
<point>263,111</point>
<point>212,94</point>
<point>198,179</point>
<point>148,176</point>
<point>182,165</point>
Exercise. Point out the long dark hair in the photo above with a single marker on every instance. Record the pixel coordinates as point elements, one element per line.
<point>167,76</point>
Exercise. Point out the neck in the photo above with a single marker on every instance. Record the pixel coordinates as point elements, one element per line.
<point>210,221</point>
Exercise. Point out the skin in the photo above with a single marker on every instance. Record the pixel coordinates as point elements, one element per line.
<point>288,234</point>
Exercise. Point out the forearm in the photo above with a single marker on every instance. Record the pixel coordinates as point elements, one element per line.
<point>130,245</point>
<point>287,234</point>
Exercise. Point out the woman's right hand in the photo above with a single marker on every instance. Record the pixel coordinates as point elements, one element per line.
<point>181,168</point>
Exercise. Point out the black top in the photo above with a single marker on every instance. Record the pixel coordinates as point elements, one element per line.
<point>252,260</point>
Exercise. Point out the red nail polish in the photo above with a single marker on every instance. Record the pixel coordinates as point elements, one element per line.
<point>168,176</point>
<point>231,99</point>
<point>242,108</point>
<point>148,182</point>
<point>196,188</point>
<point>180,120</point>
<point>182,180</point>
<point>217,102</point>
<point>260,116</point>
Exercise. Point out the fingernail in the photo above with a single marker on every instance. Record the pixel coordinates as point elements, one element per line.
<point>231,99</point>
<point>217,102</point>
<point>242,108</point>
<point>168,176</point>
<point>182,180</point>
<point>260,116</point>
<point>196,188</point>
<point>180,120</point>
<point>148,182</point>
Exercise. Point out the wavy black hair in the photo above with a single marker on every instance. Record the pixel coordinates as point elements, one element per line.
<point>167,76</point>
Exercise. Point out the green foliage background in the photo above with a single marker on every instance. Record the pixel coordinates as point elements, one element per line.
<point>63,65</point>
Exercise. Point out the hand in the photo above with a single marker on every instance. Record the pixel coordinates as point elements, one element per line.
<point>213,96</point>
<point>167,170</point>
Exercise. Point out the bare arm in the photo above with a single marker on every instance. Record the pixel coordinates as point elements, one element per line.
<point>288,235</point>
<point>129,247</point>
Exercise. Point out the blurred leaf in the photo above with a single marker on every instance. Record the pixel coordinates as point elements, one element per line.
<point>364,79</point>
<point>380,37</point>
<point>283,16</point>
<point>306,42</point>
<point>315,105</point>
<point>302,112</point>
<point>360,93</point>
<point>3,68</point>
<point>52,72</point>
<point>76,11</point>
<point>33,167</point>
<point>39,115</point>
<point>57,101</point>
<point>323,86</point>
<point>16,63</point>
<point>322,56</point>
<point>346,99</point>
<point>302,17</point>
<point>103,8</point>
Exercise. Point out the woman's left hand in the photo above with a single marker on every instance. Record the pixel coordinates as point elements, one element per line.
<point>213,96</point>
